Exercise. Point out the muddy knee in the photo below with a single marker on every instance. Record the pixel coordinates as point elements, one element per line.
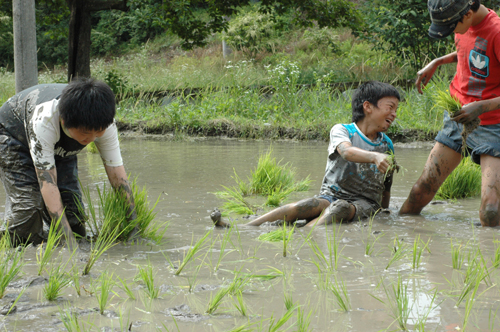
<point>338,211</point>
<point>489,215</point>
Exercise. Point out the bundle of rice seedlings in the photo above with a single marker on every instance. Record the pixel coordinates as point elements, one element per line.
<point>463,182</point>
<point>446,101</point>
<point>278,235</point>
<point>113,207</point>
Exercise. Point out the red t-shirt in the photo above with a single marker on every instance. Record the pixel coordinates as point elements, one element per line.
<point>478,68</point>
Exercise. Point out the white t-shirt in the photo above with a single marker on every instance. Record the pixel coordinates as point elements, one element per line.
<point>44,132</point>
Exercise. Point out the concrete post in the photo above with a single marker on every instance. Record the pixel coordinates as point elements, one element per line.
<point>226,50</point>
<point>25,60</point>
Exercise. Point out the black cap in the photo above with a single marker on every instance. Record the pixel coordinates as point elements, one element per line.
<point>445,14</point>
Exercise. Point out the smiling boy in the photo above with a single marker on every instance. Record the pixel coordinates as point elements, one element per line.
<point>41,131</point>
<point>355,184</point>
<point>477,86</point>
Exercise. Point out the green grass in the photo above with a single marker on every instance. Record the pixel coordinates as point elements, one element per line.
<point>463,182</point>
<point>340,294</point>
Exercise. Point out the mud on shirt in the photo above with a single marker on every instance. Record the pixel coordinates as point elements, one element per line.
<point>349,180</point>
<point>32,117</point>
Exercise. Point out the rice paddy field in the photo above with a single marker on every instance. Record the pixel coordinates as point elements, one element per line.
<point>434,272</point>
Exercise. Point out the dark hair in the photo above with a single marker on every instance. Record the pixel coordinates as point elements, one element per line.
<point>87,103</point>
<point>474,7</point>
<point>372,92</point>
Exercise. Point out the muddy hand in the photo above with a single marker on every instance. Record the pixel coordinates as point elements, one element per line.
<point>216,217</point>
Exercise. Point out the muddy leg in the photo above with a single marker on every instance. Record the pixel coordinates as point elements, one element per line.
<point>490,191</point>
<point>305,209</point>
<point>337,211</point>
<point>441,162</point>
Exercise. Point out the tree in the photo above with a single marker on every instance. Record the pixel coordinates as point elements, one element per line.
<point>79,33</point>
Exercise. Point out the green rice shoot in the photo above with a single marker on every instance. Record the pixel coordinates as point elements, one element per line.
<point>278,235</point>
<point>463,182</point>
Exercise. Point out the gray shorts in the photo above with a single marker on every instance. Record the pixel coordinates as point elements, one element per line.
<point>483,140</point>
<point>25,211</point>
<point>364,208</point>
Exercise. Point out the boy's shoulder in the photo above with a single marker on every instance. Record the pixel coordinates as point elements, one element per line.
<point>352,130</point>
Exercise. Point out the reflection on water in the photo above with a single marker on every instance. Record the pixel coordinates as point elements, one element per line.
<point>186,174</point>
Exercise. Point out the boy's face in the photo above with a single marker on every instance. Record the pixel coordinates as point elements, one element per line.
<point>84,136</point>
<point>384,113</point>
<point>466,23</point>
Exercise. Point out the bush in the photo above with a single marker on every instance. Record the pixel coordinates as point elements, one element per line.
<point>6,41</point>
<point>324,38</point>
<point>401,27</point>
<point>254,31</point>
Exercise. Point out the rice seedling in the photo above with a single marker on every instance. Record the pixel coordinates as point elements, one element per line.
<point>216,300</point>
<point>105,240</point>
<point>303,322</point>
<point>75,280</point>
<point>398,302</point>
<point>495,260</point>
<point>199,245</point>
<point>240,306</point>
<point>393,165</point>
<point>71,322</point>
<point>58,280</point>
<point>371,240</point>
<point>418,248</point>
<point>113,207</point>
<point>146,275</point>
<point>333,245</point>
<point>273,274</point>
<point>225,240</point>
<point>125,287</point>
<point>471,281</point>
<point>45,253</point>
<point>340,294</point>
<point>11,262</point>
<point>105,288</point>
<point>463,182</point>
<point>273,327</point>
<point>270,178</point>
<point>399,250</point>
<point>422,319</point>
<point>288,300</point>
<point>457,255</point>
<point>235,202</point>
<point>447,102</point>
<point>13,303</point>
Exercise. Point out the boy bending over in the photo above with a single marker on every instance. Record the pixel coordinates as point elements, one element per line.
<point>356,182</point>
<point>41,131</point>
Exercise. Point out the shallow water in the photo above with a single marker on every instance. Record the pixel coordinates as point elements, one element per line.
<point>186,174</point>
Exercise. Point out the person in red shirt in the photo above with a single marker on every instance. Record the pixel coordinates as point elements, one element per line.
<point>477,86</point>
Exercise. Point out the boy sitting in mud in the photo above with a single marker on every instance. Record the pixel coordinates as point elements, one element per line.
<point>41,131</point>
<point>358,174</point>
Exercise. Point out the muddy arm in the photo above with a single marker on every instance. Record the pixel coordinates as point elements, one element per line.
<point>52,199</point>
<point>357,155</point>
<point>118,179</point>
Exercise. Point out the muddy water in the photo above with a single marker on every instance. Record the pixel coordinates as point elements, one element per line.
<point>184,175</point>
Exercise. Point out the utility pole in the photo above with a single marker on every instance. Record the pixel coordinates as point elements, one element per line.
<point>25,60</point>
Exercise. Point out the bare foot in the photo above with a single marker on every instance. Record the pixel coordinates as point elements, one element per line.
<point>217,219</point>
